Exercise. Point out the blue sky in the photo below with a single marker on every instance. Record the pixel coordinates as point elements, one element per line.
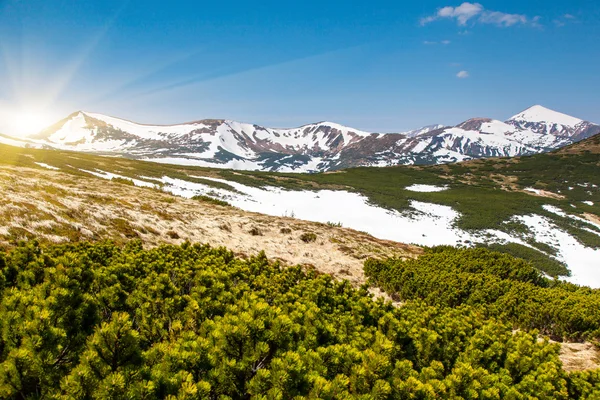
<point>374,65</point>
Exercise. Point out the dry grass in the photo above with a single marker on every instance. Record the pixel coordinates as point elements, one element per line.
<point>579,356</point>
<point>545,193</point>
<point>56,208</point>
<point>592,218</point>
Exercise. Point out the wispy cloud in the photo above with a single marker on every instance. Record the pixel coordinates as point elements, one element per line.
<point>565,19</point>
<point>476,13</point>
<point>429,42</point>
<point>462,74</point>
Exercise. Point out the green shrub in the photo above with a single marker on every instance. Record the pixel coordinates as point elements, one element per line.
<point>123,181</point>
<point>506,287</point>
<point>544,263</point>
<point>98,321</point>
<point>211,200</point>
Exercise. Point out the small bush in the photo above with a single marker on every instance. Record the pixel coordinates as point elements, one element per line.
<point>308,237</point>
<point>225,226</point>
<point>255,231</point>
<point>208,199</point>
<point>334,224</point>
<point>124,227</point>
<point>285,231</point>
<point>173,234</point>
<point>123,181</point>
<point>151,230</point>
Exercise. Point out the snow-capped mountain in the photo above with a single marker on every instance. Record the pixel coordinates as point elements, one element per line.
<point>321,146</point>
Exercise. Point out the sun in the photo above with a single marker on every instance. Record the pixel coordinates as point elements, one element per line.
<point>27,123</point>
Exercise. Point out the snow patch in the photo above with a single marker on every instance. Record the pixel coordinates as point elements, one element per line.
<point>425,188</point>
<point>47,166</point>
<point>554,210</point>
<point>536,191</point>
<point>109,175</point>
<point>584,262</point>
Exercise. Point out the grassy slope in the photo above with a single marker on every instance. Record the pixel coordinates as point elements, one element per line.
<point>55,207</point>
<point>487,193</point>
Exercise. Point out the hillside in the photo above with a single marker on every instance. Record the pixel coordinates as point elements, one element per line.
<point>544,208</point>
<point>55,207</point>
<point>322,146</point>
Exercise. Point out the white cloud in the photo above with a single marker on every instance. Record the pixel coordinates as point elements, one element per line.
<point>427,20</point>
<point>502,19</point>
<point>478,14</point>
<point>445,42</point>
<point>462,74</point>
<point>462,13</point>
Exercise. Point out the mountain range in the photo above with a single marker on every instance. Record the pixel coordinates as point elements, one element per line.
<point>323,146</point>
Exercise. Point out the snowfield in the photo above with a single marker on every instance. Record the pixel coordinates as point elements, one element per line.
<point>536,191</point>
<point>423,224</point>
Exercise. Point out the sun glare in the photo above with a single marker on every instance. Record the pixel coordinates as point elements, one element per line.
<point>27,123</point>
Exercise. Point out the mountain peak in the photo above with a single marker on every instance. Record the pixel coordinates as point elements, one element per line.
<point>538,113</point>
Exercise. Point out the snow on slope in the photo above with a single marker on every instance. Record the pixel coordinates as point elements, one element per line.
<point>539,113</point>
<point>542,120</point>
<point>155,132</point>
<point>423,130</point>
<point>584,262</point>
<point>322,146</point>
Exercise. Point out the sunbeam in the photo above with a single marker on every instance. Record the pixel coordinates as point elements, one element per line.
<point>234,69</point>
<point>34,91</point>
<point>65,78</point>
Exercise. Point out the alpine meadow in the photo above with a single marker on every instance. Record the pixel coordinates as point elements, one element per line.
<point>181,219</point>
